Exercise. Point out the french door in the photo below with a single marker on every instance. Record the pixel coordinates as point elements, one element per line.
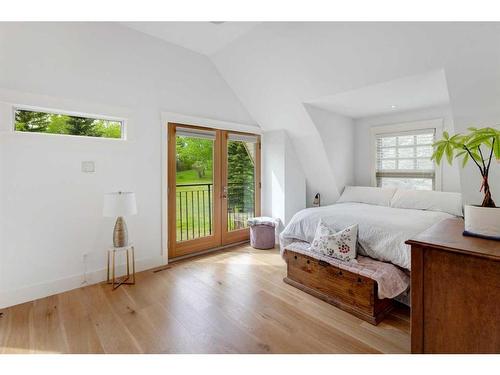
<point>213,187</point>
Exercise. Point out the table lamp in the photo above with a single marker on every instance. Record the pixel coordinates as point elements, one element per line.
<point>119,204</point>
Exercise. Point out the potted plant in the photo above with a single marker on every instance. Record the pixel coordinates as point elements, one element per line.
<point>480,146</point>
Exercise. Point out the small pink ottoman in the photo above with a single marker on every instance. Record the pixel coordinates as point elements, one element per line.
<point>262,232</point>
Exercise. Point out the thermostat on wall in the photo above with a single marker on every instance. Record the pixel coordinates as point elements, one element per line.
<point>88,166</point>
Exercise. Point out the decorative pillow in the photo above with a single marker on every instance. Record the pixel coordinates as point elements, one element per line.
<point>340,245</point>
<point>367,194</point>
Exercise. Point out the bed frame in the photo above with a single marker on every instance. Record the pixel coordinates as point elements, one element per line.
<point>350,292</point>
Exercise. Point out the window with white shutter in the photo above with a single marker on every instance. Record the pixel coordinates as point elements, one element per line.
<point>403,160</point>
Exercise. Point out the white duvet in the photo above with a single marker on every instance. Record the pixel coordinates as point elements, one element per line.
<point>382,230</point>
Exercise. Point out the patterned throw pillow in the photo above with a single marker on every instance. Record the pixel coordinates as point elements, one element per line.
<point>340,245</point>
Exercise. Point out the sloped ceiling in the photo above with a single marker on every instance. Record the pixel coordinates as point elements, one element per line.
<point>202,37</point>
<point>277,67</point>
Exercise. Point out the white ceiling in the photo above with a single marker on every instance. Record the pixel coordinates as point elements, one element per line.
<point>202,37</point>
<point>413,92</point>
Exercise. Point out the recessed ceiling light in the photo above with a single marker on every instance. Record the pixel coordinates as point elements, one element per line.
<point>393,106</point>
<point>217,22</point>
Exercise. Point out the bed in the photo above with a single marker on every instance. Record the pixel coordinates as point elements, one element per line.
<point>386,218</point>
<point>382,230</point>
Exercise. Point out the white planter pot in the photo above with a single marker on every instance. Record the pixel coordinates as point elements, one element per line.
<point>483,221</point>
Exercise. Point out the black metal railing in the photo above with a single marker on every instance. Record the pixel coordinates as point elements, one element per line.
<point>194,209</point>
<point>240,199</point>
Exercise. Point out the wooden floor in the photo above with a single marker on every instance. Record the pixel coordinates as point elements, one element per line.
<point>232,301</point>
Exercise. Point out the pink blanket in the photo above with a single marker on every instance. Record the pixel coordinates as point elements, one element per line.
<point>391,280</point>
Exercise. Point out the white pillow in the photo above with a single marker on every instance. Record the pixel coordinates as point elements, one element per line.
<point>450,203</point>
<point>367,194</point>
<point>340,245</point>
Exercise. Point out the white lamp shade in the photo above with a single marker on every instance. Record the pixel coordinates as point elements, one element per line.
<point>119,204</point>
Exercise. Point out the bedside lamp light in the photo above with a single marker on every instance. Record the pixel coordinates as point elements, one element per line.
<point>119,204</point>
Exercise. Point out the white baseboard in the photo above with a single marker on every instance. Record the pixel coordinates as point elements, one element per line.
<point>33,292</point>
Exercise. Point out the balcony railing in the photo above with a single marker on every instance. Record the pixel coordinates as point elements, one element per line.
<point>194,207</point>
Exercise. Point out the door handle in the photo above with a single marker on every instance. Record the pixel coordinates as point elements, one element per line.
<point>224,192</point>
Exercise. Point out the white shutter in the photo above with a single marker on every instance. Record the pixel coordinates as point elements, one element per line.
<point>247,138</point>
<point>195,133</point>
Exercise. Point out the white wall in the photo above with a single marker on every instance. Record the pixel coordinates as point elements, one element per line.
<point>362,157</point>
<point>337,134</point>
<point>295,182</point>
<point>283,181</point>
<point>51,212</point>
<point>273,174</point>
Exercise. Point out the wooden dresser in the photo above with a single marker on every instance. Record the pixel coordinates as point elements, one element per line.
<point>455,291</point>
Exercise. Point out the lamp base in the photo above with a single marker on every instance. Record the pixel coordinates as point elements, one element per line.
<point>120,233</point>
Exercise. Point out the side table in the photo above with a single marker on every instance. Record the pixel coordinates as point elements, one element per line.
<point>129,278</point>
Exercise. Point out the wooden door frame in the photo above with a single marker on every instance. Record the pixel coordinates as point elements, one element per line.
<point>241,234</point>
<point>189,247</point>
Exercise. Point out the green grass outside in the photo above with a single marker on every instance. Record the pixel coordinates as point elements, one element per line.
<point>191,177</point>
<point>195,204</point>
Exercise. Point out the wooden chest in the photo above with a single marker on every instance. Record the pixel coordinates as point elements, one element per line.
<point>350,292</point>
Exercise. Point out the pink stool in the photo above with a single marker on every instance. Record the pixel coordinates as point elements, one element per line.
<point>262,232</point>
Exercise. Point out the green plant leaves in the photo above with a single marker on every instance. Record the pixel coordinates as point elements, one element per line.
<point>465,160</point>
<point>447,146</point>
<point>479,140</point>
<point>467,146</point>
<point>496,146</point>
<point>476,156</point>
<point>449,152</point>
<point>483,136</point>
<point>439,151</point>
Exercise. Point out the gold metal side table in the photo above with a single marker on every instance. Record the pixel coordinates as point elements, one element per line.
<point>129,278</point>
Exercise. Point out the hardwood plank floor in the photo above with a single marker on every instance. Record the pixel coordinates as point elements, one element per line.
<point>230,301</point>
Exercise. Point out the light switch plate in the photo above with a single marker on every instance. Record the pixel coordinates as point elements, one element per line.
<point>88,166</point>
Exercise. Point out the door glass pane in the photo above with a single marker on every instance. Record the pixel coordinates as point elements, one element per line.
<point>194,186</point>
<point>240,183</point>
